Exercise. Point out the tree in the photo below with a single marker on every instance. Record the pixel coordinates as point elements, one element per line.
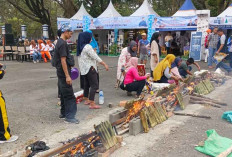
<point>35,10</point>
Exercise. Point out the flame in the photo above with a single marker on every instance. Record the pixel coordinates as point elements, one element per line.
<point>137,106</point>
<point>81,147</point>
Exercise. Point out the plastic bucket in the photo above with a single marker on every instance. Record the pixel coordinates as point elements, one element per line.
<point>74,73</point>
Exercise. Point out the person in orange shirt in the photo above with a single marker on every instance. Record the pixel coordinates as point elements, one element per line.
<point>44,51</point>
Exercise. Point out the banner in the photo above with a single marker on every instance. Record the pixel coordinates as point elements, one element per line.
<point>195,46</point>
<point>75,24</point>
<point>175,23</point>
<point>151,29</point>
<point>221,22</point>
<point>117,23</point>
<point>134,22</point>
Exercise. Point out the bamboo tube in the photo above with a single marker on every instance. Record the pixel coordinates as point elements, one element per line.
<point>100,134</point>
<point>108,137</point>
<point>144,121</point>
<point>150,118</point>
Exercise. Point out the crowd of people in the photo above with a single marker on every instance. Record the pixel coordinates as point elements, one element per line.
<point>215,43</point>
<point>170,68</point>
<point>40,50</point>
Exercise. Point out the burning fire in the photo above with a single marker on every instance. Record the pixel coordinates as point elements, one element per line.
<point>137,106</point>
<point>82,147</point>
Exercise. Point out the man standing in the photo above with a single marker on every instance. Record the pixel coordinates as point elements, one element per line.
<point>185,68</point>
<point>223,49</point>
<point>142,49</point>
<point>5,135</point>
<point>63,61</point>
<point>212,43</point>
<point>168,40</point>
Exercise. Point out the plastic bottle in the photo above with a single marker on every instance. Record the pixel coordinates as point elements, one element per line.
<point>101,97</point>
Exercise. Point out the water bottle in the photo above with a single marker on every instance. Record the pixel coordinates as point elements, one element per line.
<point>101,97</point>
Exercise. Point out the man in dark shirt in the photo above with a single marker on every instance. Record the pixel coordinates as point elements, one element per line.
<point>185,68</point>
<point>63,62</point>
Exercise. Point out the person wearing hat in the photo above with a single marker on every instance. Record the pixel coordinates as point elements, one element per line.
<point>206,44</point>
<point>5,135</point>
<point>63,61</point>
<point>142,49</point>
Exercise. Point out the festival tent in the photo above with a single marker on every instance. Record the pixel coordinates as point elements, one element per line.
<point>110,12</point>
<point>144,10</point>
<point>187,9</point>
<point>81,12</point>
<point>227,12</point>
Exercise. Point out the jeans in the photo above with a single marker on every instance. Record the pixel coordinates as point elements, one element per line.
<point>91,82</point>
<point>224,66</point>
<point>212,52</point>
<point>183,72</point>
<point>230,59</point>
<point>67,98</point>
<point>136,86</point>
<point>36,55</point>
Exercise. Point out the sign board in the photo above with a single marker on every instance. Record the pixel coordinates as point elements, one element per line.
<point>221,22</point>
<point>195,46</point>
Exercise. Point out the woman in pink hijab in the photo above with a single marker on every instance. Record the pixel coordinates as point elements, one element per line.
<point>132,81</point>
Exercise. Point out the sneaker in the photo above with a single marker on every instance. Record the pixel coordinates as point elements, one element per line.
<point>12,139</point>
<point>34,61</point>
<point>37,61</point>
<point>61,116</point>
<point>74,121</point>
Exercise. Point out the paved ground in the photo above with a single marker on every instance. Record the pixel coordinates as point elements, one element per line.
<point>31,97</point>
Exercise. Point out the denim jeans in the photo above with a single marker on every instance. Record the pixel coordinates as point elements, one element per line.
<point>230,59</point>
<point>36,55</point>
<point>183,72</point>
<point>67,98</point>
<point>224,66</point>
<point>212,52</point>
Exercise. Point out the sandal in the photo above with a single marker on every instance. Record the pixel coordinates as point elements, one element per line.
<point>87,102</point>
<point>94,107</point>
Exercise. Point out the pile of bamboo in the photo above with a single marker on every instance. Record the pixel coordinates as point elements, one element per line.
<point>106,134</point>
<point>152,115</point>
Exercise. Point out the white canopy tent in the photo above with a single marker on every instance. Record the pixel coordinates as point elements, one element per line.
<point>227,12</point>
<point>187,9</point>
<point>110,12</point>
<point>144,10</point>
<point>81,12</point>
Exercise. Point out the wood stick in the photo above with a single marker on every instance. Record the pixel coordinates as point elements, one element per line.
<point>225,153</point>
<point>205,99</point>
<point>192,115</point>
<point>206,103</point>
<point>123,131</point>
<point>213,100</point>
<point>119,121</point>
<point>64,147</point>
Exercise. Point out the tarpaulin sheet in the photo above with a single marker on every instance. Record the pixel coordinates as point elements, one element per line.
<point>215,144</point>
<point>228,116</point>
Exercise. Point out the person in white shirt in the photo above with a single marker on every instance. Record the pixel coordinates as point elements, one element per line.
<point>87,60</point>
<point>34,52</point>
<point>50,46</point>
<point>168,40</point>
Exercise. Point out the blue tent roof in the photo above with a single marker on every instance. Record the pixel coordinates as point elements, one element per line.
<point>188,5</point>
<point>231,4</point>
